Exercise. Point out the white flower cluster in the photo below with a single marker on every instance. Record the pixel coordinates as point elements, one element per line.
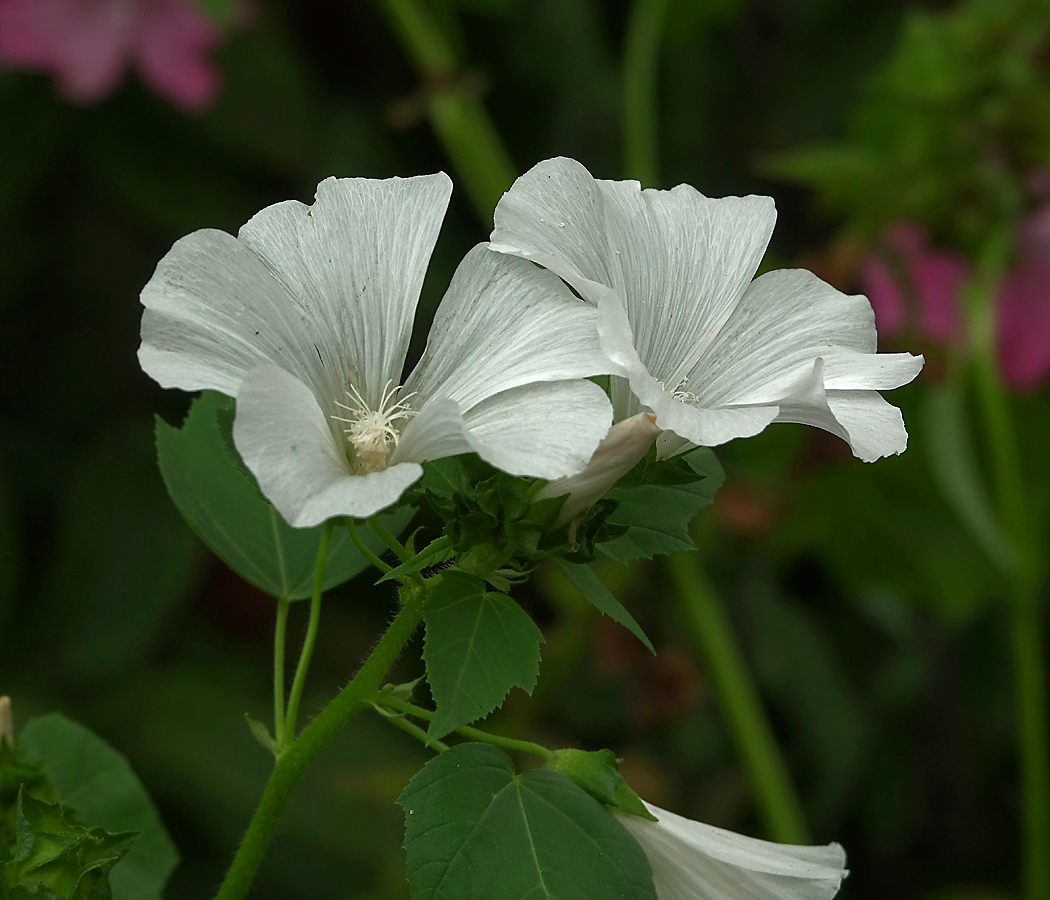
<point>305,317</point>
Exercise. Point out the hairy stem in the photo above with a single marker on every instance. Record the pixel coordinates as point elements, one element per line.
<point>363,548</point>
<point>739,702</point>
<point>296,759</point>
<point>640,69</point>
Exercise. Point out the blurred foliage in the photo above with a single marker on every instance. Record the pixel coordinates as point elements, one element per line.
<point>865,607</point>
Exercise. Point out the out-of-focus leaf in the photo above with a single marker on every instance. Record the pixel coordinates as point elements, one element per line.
<point>98,783</point>
<point>951,454</point>
<point>222,11</point>
<point>479,645</point>
<point>474,828</point>
<point>587,582</point>
<point>223,505</point>
<point>122,560</point>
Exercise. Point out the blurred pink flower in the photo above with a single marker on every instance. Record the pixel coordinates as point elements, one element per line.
<point>88,44</point>
<point>914,287</point>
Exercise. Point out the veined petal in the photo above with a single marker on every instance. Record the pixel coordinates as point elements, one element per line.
<point>785,321</point>
<point>681,263</point>
<point>694,861</point>
<point>213,312</point>
<point>285,440</point>
<point>436,431</point>
<point>554,215</point>
<point>502,324</point>
<point>543,430</point>
<point>356,261</point>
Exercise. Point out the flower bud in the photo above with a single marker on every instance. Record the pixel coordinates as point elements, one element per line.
<point>625,444</point>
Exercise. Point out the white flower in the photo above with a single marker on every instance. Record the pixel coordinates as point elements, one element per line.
<point>305,317</point>
<point>694,861</point>
<point>712,353</point>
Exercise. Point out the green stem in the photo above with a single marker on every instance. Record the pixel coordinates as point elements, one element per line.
<point>457,115</point>
<point>739,702</point>
<point>296,759</point>
<point>640,69</point>
<point>309,640</point>
<point>395,546</point>
<point>418,733</point>
<point>280,627</point>
<point>475,734</point>
<point>363,548</point>
<point>1033,730</point>
<point>1034,744</point>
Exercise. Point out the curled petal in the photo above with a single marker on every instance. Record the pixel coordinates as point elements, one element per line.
<point>285,440</point>
<point>694,861</point>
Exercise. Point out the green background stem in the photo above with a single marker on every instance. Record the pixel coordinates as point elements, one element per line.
<point>640,75</point>
<point>456,113</point>
<point>739,702</point>
<point>292,764</point>
<point>311,637</point>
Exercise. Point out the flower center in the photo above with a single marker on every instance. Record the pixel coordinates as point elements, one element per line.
<point>373,433</point>
<point>681,391</point>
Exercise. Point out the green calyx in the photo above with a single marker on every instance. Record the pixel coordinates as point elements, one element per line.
<point>55,857</point>
<point>598,773</point>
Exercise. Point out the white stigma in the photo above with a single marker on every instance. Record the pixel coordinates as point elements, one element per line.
<point>680,392</point>
<point>374,433</point>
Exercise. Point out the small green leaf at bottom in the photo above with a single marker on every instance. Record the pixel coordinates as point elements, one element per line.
<point>474,828</point>
<point>587,582</point>
<point>479,645</point>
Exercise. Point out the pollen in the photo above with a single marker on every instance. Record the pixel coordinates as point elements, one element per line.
<point>373,433</point>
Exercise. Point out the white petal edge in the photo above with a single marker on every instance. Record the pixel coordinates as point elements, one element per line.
<point>286,442</point>
<point>694,861</point>
<point>502,324</point>
<point>544,430</point>
<point>214,311</point>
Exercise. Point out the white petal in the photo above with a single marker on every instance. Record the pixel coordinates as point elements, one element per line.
<point>625,444</point>
<point>356,261</point>
<point>545,430</point>
<point>786,320</point>
<point>435,432</point>
<point>681,262</point>
<point>505,323</point>
<point>554,215</point>
<point>873,427</point>
<point>286,442</point>
<point>693,861</point>
<point>213,311</point>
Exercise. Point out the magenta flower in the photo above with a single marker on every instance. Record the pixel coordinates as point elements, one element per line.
<point>88,45</point>
<point>913,287</point>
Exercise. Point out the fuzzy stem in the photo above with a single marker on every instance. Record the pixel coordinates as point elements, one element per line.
<point>296,759</point>
<point>363,548</point>
<point>311,638</point>
<point>640,69</point>
<point>738,699</point>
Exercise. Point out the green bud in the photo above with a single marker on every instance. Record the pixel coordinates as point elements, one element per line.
<point>598,773</point>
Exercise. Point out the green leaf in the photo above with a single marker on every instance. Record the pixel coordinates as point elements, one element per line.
<point>953,459</point>
<point>478,646</point>
<point>473,828</point>
<point>222,11</point>
<point>588,583</point>
<point>436,552</point>
<point>261,733</point>
<point>97,783</point>
<point>658,509</point>
<point>223,505</point>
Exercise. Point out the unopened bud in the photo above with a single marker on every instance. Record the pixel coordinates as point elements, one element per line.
<point>7,724</point>
<point>625,444</point>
